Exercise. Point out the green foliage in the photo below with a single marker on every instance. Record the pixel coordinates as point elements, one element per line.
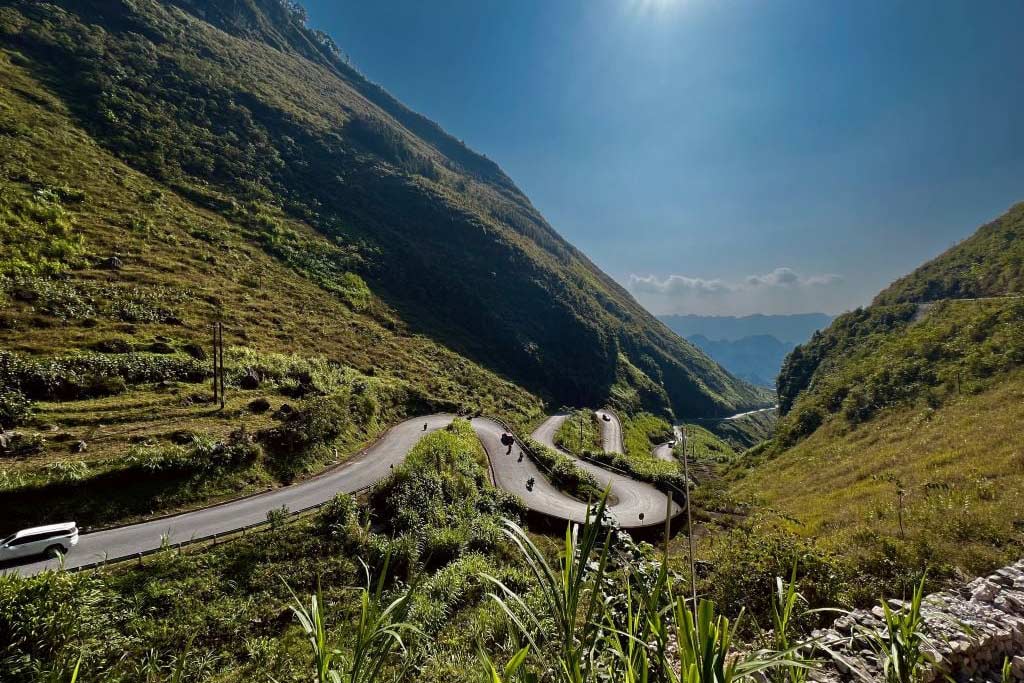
<point>957,347</point>
<point>36,233</point>
<point>50,621</point>
<point>903,648</point>
<point>15,407</point>
<point>704,446</point>
<point>377,642</point>
<point>86,375</point>
<point>443,485</point>
<point>572,597</point>
<point>563,472</point>
<point>69,301</point>
<point>567,437</point>
<point>747,560</point>
<point>643,431</point>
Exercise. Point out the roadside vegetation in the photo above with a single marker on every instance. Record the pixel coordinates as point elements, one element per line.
<point>705,447</point>
<point>579,421</point>
<point>563,472</point>
<point>455,590</point>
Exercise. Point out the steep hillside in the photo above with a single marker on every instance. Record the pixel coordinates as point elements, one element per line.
<point>238,112</point>
<point>989,263</point>
<point>956,325</point>
<point>898,447</point>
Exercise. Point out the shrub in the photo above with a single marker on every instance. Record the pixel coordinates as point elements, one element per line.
<point>317,421</point>
<point>19,444</point>
<point>88,375</point>
<point>747,560</point>
<point>15,408</point>
<point>563,471</point>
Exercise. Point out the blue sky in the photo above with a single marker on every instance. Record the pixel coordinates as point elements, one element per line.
<point>726,156</point>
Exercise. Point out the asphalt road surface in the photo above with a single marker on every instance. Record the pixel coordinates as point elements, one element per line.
<point>361,472</point>
<point>611,432</point>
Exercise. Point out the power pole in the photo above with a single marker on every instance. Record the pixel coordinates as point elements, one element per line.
<point>581,431</point>
<point>215,387</point>
<point>689,517</point>
<point>220,326</point>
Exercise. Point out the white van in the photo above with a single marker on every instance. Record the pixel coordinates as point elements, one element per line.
<point>41,540</point>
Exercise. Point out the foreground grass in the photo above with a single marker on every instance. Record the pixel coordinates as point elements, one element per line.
<point>953,475</point>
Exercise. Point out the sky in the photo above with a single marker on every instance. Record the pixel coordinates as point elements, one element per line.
<point>723,157</point>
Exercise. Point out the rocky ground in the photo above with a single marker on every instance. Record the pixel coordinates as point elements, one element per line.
<point>973,631</point>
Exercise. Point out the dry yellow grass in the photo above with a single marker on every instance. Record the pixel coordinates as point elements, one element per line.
<point>961,468</point>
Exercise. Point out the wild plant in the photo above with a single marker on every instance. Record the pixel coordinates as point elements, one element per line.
<point>573,601</point>
<point>786,600</point>
<point>902,646</point>
<point>378,641</point>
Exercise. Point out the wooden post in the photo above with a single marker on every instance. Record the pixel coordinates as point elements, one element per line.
<point>215,362</point>
<point>689,517</point>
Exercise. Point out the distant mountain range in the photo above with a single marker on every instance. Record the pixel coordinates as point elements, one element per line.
<point>751,347</point>
<point>790,329</point>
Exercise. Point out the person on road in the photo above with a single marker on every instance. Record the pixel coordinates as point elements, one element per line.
<point>529,483</point>
<point>424,426</point>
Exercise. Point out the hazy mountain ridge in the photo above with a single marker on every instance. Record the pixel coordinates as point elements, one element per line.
<point>266,122</point>
<point>756,359</point>
<point>751,347</point>
<point>791,328</point>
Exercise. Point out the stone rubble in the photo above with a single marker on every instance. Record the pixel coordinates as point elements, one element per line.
<point>973,631</point>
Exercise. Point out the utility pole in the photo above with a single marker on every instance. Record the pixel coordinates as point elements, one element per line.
<point>689,517</point>
<point>215,362</point>
<point>581,431</point>
<point>218,363</point>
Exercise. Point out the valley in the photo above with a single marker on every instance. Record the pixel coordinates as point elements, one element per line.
<point>438,443</point>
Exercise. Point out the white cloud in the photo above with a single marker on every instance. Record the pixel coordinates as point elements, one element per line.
<point>776,291</point>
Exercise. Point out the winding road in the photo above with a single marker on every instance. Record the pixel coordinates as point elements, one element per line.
<point>632,497</point>
<point>362,471</point>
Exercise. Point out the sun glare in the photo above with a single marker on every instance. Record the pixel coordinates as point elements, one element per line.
<point>651,6</point>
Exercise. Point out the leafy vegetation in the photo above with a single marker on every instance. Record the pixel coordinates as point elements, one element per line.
<point>582,421</point>
<point>705,446</point>
<point>37,235</point>
<point>957,347</point>
<point>563,472</point>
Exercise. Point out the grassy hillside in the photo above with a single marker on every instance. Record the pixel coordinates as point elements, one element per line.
<point>744,432</point>
<point>897,446</point>
<point>237,110</point>
<point>988,263</point>
<point>954,325</point>
<point>960,468</point>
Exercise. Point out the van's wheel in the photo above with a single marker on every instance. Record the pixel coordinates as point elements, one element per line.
<point>54,551</point>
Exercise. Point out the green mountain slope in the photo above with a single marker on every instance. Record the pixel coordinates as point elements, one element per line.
<point>898,442</point>
<point>237,110</point>
<point>954,325</point>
